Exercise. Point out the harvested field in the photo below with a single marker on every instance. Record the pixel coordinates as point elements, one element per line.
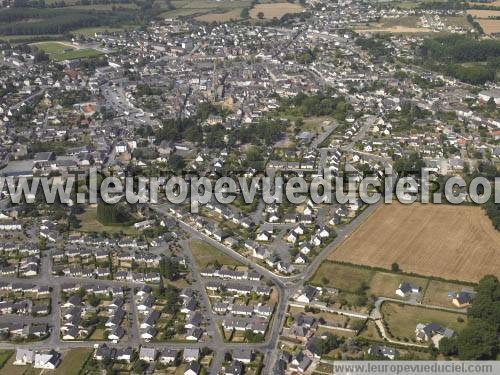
<point>481,13</point>
<point>490,26</point>
<point>492,4</point>
<point>451,242</point>
<point>402,25</point>
<point>275,10</point>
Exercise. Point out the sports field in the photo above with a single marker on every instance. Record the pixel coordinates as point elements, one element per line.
<point>451,242</point>
<point>59,51</point>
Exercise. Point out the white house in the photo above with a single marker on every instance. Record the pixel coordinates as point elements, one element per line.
<point>24,357</point>
<point>47,361</point>
<point>147,354</point>
<point>406,289</point>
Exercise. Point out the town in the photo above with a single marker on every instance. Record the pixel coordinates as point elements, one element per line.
<point>244,88</point>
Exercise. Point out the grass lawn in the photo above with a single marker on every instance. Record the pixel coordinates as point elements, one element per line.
<point>343,277</point>
<point>328,317</point>
<point>385,284</point>
<point>205,254</point>
<point>402,319</point>
<point>323,330</point>
<point>84,53</point>
<point>32,371</point>
<point>89,223</point>
<point>73,361</point>
<point>437,293</point>
<point>4,356</point>
<point>97,335</point>
<point>314,124</point>
<point>52,48</point>
<point>370,331</point>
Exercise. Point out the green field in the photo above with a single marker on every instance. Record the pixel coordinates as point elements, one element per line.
<point>205,254</point>
<point>350,279</point>
<point>370,331</point>
<point>385,284</point>
<point>437,293</point>
<point>89,223</point>
<point>201,7</point>
<point>90,31</point>
<point>8,367</point>
<point>73,361</point>
<point>59,51</point>
<point>402,319</point>
<point>343,277</point>
<point>4,356</point>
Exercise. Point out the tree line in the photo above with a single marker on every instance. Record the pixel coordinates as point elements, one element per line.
<point>60,20</point>
<point>479,340</point>
<point>469,60</point>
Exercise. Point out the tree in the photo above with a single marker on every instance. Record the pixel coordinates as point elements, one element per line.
<point>94,300</point>
<point>491,105</point>
<point>260,15</point>
<point>245,13</point>
<point>176,163</point>
<point>112,213</point>
<point>358,325</point>
<point>448,346</point>
<point>169,269</point>
<point>395,267</point>
<point>477,341</point>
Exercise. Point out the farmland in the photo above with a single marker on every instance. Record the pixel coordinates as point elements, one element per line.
<point>495,3</point>
<point>220,17</point>
<point>490,26</point>
<point>207,11</point>
<point>451,242</point>
<point>275,10</point>
<point>408,24</point>
<point>402,319</point>
<point>480,13</point>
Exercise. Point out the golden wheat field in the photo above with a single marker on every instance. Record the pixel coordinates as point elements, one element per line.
<point>452,242</point>
<point>275,9</point>
<point>490,26</point>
